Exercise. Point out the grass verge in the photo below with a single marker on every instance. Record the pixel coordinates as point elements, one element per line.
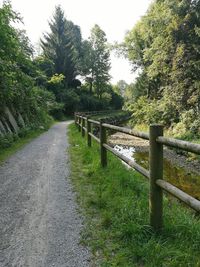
<point>115,203</point>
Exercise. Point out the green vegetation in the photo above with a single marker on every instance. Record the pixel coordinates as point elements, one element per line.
<point>65,56</point>
<point>115,203</point>
<point>35,88</point>
<point>164,47</point>
<point>28,104</point>
<point>17,72</point>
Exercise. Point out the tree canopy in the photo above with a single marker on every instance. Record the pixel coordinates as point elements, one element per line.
<point>66,57</point>
<point>62,46</point>
<point>101,59</point>
<point>69,74</point>
<point>17,72</point>
<point>165,47</point>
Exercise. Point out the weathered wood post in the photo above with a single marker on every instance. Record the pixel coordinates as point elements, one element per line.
<point>89,139</point>
<point>102,148</point>
<point>82,126</point>
<point>156,172</point>
<point>79,123</point>
<point>77,119</point>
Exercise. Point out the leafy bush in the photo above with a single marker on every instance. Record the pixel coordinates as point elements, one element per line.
<point>164,47</point>
<point>90,102</point>
<point>145,111</point>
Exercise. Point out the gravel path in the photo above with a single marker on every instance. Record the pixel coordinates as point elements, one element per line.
<point>39,222</point>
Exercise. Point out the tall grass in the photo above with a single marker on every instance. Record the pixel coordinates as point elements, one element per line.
<point>115,203</point>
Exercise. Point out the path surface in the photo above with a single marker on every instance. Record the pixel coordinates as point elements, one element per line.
<point>39,222</point>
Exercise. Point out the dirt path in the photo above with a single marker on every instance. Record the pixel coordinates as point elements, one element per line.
<point>39,222</point>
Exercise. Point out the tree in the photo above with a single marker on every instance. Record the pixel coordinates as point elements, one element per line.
<point>18,89</point>
<point>16,66</point>
<point>122,87</point>
<point>165,47</point>
<point>86,63</point>
<point>100,60</point>
<point>62,46</point>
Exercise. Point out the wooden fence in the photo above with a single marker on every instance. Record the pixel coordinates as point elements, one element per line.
<point>155,172</point>
<point>93,113</point>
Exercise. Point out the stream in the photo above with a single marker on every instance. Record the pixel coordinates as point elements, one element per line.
<point>178,176</point>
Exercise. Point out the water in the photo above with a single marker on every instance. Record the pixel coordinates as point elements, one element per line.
<point>178,176</point>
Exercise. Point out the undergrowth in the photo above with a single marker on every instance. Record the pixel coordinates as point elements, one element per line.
<point>115,203</point>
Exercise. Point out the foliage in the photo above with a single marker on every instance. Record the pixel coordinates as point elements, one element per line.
<point>14,59</point>
<point>65,56</point>
<point>164,46</point>
<point>121,87</point>
<point>87,62</point>
<point>149,111</point>
<point>48,84</point>
<point>95,61</point>
<point>101,59</point>
<point>62,46</point>
<point>19,89</point>
<point>16,67</point>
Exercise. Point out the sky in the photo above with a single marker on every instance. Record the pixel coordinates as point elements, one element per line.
<point>115,17</point>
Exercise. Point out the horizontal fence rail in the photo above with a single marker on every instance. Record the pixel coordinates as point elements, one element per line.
<point>155,172</point>
<point>127,131</point>
<point>184,145</point>
<point>93,113</point>
<point>128,161</point>
<point>176,192</point>
<point>94,122</point>
<point>95,138</point>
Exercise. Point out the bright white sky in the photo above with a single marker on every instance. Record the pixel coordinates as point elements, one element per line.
<point>115,17</point>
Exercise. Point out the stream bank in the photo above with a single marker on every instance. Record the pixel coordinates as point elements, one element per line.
<point>177,169</point>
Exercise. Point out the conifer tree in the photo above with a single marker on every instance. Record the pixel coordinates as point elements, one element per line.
<point>62,45</point>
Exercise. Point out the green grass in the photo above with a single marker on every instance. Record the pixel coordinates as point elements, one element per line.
<point>19,143</point>
<point>115,203</point>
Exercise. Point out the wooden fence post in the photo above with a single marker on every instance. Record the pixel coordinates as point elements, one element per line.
<point>75,117</point>
<point>79,122</point>
<point>82,126</point>
<point>156,172</point>
<point>89,139</point>
<point>103,141</point>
